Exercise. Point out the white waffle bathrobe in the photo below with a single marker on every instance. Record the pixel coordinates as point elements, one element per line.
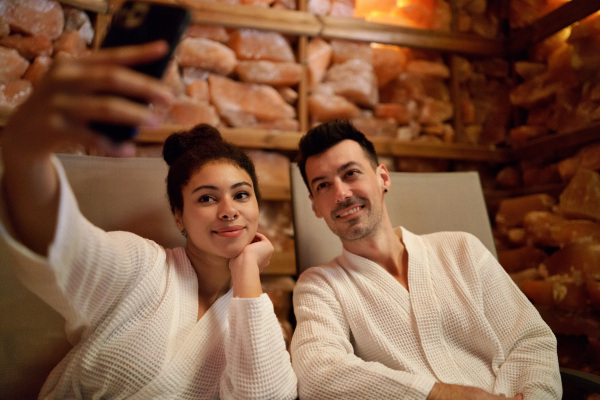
<point>361,335</point>
<point>131,308</point>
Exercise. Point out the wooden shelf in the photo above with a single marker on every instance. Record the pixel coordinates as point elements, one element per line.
<point>562,17</point>
<point>555,145</point>
<point>98,6</point>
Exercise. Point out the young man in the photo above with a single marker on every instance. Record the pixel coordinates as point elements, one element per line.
<point>403,316</point>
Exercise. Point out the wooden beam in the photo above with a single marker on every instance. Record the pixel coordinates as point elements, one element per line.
<point>556,145</point>
<point>98,6</point>
<point>367,31</point>
<point>521,39</point>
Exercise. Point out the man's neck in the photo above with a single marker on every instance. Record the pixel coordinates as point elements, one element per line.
<point>385,248</point>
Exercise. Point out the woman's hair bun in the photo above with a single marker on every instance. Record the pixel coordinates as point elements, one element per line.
<point>179,143</point>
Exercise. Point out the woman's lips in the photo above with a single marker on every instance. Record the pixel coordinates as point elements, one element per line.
<point>230,231</point>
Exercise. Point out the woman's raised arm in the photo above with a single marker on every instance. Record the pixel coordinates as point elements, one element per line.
<point>72,94</point>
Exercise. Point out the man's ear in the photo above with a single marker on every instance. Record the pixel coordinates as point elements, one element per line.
<point>384,176</point>
<point>314,208</point>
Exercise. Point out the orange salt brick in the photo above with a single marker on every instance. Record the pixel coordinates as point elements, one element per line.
<point>285,4</point>
<point>538,291</point>
<point>319,57</point>
<point>34,17</point>
<point>388,62</point>
<point>443,131</point>
<point>571,231</point>
<point>238,118</point>
<point>535,175</point>
<point>263,102</point>
<point>527,69</point>
<point>257,3</point>
<point>211,32</point>
<point>12,65</point>
<point>198,90</point>
<point>355,81</point>
<point>581,197</point>
<point>346,50</point>
<point>399,112</point>
<point>517,236</point>
<point>536,91</point>
<point>342,8</point>
<point>586,27</point>
<point>288,94</point>
<point>467,109</point>
<point>514,260</point>
<point>206,54</point>
<point>71,42</point>
<point>319,7</point>
<point>28,46</point>
<point>79,20</point>
<point>325,107</point>
<point>587,157</point>
<point>191,74</point>
<point>187,112</point>
<point>172,78</point>
<point>269,72</point>
<point>580,257</point>
<point>512,211</point>
<point>250,44</point>
<point>435,111</point>
<point>291,125</point>
<point>37,69</point>
<point>428,68</point>
<point>570,295</point>
<point>376,126</point>
<point>509,177</point>
<point>271,167</point>
<point>13,94</point>
<point>4,28</point>
<point>539,226</point>
<point>523,133</point>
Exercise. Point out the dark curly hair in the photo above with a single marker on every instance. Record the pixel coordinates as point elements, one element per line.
<point>327,135</point>
<point>188,151</point>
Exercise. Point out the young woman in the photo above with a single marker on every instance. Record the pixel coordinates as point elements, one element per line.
<point>145,322</point>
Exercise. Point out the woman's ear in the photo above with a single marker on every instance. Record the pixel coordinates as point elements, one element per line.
<point>179,219</point>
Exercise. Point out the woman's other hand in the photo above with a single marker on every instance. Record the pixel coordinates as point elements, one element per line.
<point>246,267</point>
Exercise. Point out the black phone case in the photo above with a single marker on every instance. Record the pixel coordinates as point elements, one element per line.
<point>137,22</point>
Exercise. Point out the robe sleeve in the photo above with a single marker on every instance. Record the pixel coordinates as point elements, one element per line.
<point>323,356</point>
<point>530,364</point>
<point>258,365</point>
<point>86,270</point>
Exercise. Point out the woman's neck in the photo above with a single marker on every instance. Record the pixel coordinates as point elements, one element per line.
<point>214,276</point>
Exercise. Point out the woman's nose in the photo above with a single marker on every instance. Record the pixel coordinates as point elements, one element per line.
<point>228,212</point>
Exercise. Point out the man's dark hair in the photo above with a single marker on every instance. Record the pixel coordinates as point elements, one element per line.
<point>327,135</point>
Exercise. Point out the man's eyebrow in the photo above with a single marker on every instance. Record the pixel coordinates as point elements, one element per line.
<point>342,168</point>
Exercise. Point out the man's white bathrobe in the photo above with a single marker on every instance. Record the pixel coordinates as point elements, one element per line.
<point>361,335</point>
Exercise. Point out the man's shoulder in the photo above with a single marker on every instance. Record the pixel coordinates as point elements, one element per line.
<point>321,272</point>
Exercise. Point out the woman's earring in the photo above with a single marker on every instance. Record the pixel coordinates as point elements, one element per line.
<point>385,190</point>
<point>184,233</point>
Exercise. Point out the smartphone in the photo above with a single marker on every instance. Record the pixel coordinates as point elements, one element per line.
<point>137,22</point>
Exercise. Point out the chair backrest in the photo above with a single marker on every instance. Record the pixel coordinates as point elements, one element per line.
<point>113,193</point>
<point>420,202</point>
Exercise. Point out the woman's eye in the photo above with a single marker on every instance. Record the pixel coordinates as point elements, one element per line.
<point>205,199</point>
<point>242,195</point>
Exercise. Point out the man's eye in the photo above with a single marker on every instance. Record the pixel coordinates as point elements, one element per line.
<point>321,185</point>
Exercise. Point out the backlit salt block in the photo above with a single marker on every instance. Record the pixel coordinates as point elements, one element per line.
<point>587,157</point>
<point>429,68</point>
<point>13,94</point>
<point>540,89</point>
<point>319,57</point>
<point>12,65</point>
<point>514,260</point>
<point>382,127</point>
<point>269,72</point>
<point>324,107</point>
<point>211,32</point>
<point>581,197</point>
<point>37,69</point>
<point>512,211</point>
<point>198,90</point>
<point>388,62</point>
<point>206,54</point>
<point>528,69</point>
<point>34,17</point>
<point>28,46</point>
<point>523,133</point>
<point>539,226</point>
<point>261,101</point>
<point>250,44</point>
<point>354,80</point>
<point>346,50</point>
<point>187,112</point>
<point>401,113</point>
<point>72,43</point>
<point>435,111</point>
